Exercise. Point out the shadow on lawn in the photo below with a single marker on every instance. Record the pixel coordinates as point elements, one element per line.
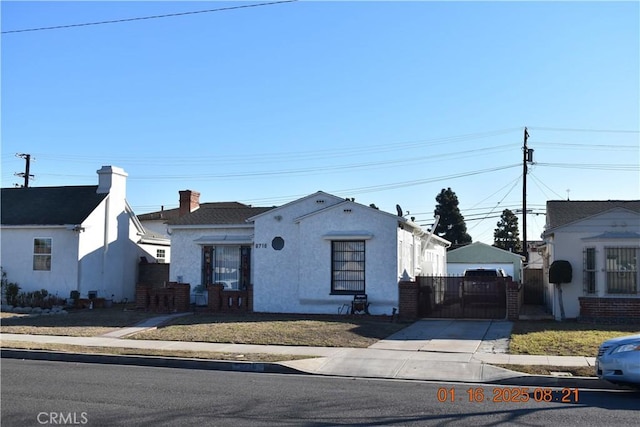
<point>118,316</point>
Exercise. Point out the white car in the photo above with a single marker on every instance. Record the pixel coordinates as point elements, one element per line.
<point>618,360</point>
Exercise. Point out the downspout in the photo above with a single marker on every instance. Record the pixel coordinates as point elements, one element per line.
<point>105,244</point>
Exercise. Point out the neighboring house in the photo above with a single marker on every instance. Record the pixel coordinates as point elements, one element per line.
<point>72,238</point>
<point>601,240</point>
<point>481,255</point>
<point>155,224</point>
<point>311,255</point>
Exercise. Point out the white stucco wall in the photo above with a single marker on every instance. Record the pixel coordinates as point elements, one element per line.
<point>17,259</point>
<point>569,242</point>
<point>297,279</point>
<point>108,252</point>
<point>186,262</point>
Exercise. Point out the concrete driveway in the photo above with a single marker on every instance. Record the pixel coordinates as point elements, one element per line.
<point>451,336</point>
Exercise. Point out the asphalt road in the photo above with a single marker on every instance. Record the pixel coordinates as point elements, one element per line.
<point>55,393</point>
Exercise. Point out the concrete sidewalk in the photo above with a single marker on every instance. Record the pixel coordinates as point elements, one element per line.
<point>442,350</point>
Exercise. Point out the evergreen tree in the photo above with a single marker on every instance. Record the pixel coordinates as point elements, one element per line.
<point>507,236</point>
<point>451,225</point>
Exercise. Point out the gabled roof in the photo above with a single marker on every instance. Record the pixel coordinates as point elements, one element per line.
<point>346,203</point>
<point>320,195</point>
<point>562,212</point>
<point>49,205</point>
<point>222,213</point>
<point>164,214</point>
<point>476,251</point>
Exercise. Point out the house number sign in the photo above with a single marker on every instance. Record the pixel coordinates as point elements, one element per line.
<point>261,245</point>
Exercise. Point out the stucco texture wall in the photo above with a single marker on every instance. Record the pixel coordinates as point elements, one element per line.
<point>297,278</point>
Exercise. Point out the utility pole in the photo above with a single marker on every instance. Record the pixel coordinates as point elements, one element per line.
<point>527,157</point>
<point>25,175</point>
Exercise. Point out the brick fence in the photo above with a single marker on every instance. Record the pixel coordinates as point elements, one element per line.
<point>166,299</point>
<point>223,301</point>
<point>610,309</point>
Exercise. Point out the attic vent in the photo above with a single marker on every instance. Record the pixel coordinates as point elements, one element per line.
<point>320,201</point>
<point>347,211</point>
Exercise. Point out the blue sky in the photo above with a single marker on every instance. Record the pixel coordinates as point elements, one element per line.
<point>386,102</point>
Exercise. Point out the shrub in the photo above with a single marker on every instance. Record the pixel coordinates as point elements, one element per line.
<point>10,290</point>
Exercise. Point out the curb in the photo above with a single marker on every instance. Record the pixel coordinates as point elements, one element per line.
<point>560,382</point>
<point>150,361</point>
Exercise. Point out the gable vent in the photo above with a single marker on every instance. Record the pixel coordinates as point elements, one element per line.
<point>347,211</point>
<point>320,201</point>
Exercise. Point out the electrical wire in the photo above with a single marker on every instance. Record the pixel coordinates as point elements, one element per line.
<point>497,204</point>
<point>582,130</point>
<point>537,180</point>
<point>168,15</point>
<point>328,153</point>
<point>597,166</point>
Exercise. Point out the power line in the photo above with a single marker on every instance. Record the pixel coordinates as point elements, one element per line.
<point>588,146</point>
<point>536,180</point>
<point>584,130</point>
<point>596,166</point>
<point>351,150</point>
<point>168,15</point>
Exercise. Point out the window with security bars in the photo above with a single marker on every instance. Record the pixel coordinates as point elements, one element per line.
<point>589,271</point>
<point>42,254</point>
<point>622,270</point>
<point>347,267</point>
<point>227,265</point>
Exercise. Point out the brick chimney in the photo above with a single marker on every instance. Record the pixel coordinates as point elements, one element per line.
<point>189,202</point>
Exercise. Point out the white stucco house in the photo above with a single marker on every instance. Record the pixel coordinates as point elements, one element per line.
<point>72,238</point>
<point>311,255</point>
<point>601,241</point>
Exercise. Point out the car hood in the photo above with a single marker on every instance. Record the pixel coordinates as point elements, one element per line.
<point>622,340</point>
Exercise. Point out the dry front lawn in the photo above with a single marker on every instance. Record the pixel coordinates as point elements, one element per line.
<point>277,329</point>
<point>78,323</point>
<point>564,338</point>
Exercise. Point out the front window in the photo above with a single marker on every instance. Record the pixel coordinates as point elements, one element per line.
<point>42,254</point>
<point>227,265</point>
<point>589,271</point>
<point>347,267</point>
<point>622,270</point>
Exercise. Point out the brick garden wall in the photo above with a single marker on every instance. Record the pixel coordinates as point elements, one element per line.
<point>610,309</point>
<point>224,301</point>
<point>173,298</point>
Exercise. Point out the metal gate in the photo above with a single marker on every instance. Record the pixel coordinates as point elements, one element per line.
<point>533,286</point>
<point>448,297</point>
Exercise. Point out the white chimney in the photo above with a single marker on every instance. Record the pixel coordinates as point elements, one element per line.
<point>113,180</point>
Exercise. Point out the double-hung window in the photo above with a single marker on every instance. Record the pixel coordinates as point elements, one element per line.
<point>42,254</point>
<point>347,267</point>
<point>161,256</point>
